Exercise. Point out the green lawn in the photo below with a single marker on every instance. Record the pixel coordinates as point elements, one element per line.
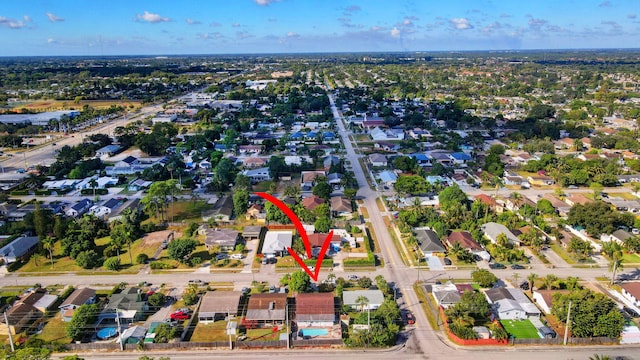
<point>521,329</point>
<point>55,331</point>
<point>630,258</point>
<point>215,331</point>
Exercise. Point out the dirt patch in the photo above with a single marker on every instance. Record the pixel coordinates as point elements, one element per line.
<point>158,237</point>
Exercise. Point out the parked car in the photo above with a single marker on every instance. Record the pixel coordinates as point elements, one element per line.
<point>179,315</point>
<point>517,267</point>
<point>497,266</point>
<point>237,256</point>
<point>197,281</point>
<point>410,319</point>
<point>272,289</point>
<point>221,256</point>
<point>352,277</point>
<point>447,261</point>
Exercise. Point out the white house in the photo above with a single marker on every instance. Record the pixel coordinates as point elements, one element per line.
<point>276,243</point>
<point>374,299</point>
<point>257,175</point>
<point>631,291</point>
<point>378,160</point>
<point>508,309</point>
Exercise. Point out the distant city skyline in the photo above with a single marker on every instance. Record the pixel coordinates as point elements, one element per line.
<point>160,27</point>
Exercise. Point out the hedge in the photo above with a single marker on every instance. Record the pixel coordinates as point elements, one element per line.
<point>90,191</point>
<point>161,265</point>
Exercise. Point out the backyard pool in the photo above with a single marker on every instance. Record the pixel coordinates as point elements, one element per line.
<point>107,333</point>
<point>314,332</point>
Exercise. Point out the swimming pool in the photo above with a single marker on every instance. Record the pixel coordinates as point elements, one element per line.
<point>314,332</point>
<point>107,333</point>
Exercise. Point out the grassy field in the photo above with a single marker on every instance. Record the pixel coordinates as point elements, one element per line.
<point>51,105</point>
<point>264,334</point>
<point>55,331</point>
<point>630,258</point>
<point>214,331</point>
<point>521,329</point>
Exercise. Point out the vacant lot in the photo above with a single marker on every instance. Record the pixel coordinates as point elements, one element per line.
<point>521,329</point>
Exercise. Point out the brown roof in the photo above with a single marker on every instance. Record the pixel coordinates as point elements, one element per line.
<point>315,306</point>
<point>341,204</point>
<point>79,297</point>
<point>34,296</point>
<point>486,199</point>
<point>464,287</point>
<point>312,202</point>
<point>579,199</point>
<point>632,288</point>
<point>261,301</point>
<point>220,302</point>
<point>317,239</point>
<point>266,307</point>
<point>310,176</point>
<point>19,311</point>
<point>547,295</point>
<point>464,238</point>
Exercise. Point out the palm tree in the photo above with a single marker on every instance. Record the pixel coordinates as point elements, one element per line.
<point>615,264</point>
<point>599,357</point>
<point>516,199</point>
<point>362,301</point>
<point>549,281</point>
<point>532,279</point>
<point>48,243</point>
<point>94,184</point>
<point>571,283</point>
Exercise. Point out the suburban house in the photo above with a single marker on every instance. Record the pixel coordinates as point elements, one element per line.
<point>39,299</point>
<point>362,299</point>
<point>465,239</point>
<point>631,206</point>
<point>312,202</point>
<point>251,232</point>
<point>540,180</point>
<point>129,303</point>
<point>254,212</point>
<point>574,199</point>
<point>308,178</point>
<point>258,175</point>
<point>492,230</point>
<point>449,294</point>
<point>222,210</point>
<point>19,248</point>
<point>620,236</point>
<point>106,208</point>
<point>428,241</point>
<point>79,297</point>
<point>544,299</point>
<point>511,303</point>
<point>129,161</point>
<point>276,243</point>
<point>253,162</point>
<point>266,309</point>
<point>217,305</point>
<point>133,335</point>
<point>459,158</point>
<point>108,150</point>
<point>225,239</point>
<point>388,178</point>
<point>139,184</point>
<point>79,208</point>
<point>315,309</point>
<point>20,316</point>
<point>631,291</point>
<point>26,310</point>
<point>378,160</point>
<point>341,206</point>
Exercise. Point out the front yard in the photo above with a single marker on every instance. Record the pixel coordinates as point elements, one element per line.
<point>520,329</point>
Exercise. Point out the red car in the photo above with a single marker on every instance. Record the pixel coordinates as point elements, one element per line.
<point>410,319</point>
<point>179,315</point>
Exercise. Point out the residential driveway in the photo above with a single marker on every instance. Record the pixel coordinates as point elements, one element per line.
<point>434,263</point>
<point>252,248</point>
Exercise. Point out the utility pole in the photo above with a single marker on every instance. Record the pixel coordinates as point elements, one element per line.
<point>6,321</point>
<point>119,332</point>
<point>286,315</point>
<point>566,326</point>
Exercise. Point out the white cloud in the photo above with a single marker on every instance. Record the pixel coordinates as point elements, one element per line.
<point>377,28</point>
<point>406,22</point>
<point>12,23</point>
<point>215,24</point>
<point>235,24</point>
<point>291,34</point>
<point>395,32</point>
<point>631,16</point>
<point>51,40</point>
<point>193,22</point>
<point>461,23</point>
<point>265,2</point>
<point>27,18</point>
<point>53,18</point>
<point>151,17</point>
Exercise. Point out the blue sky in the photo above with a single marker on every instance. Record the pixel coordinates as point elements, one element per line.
<point>126,27</point>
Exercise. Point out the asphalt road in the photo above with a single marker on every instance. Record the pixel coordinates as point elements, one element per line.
<point>45,154</point>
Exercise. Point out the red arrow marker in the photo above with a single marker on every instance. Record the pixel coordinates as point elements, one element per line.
<point>303,234</point>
